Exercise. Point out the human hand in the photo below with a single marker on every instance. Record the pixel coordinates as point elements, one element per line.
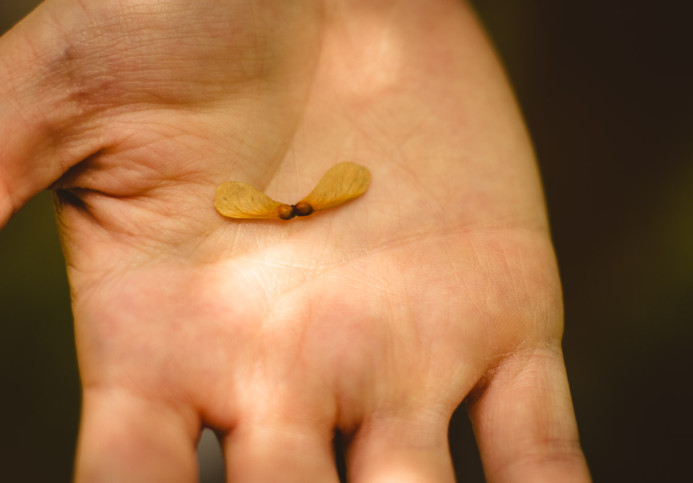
<point>377,318</point>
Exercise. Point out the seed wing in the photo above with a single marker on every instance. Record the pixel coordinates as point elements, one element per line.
<point>341,183</point>
<point>236,199</point>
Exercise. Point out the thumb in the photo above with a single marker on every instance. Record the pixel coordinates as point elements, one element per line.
<point>42,123</point>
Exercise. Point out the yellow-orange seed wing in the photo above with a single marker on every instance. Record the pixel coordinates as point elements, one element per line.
<point>236,199</point>
<point>342,182</point>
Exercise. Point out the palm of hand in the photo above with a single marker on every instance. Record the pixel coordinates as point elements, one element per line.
<point>376,318</point>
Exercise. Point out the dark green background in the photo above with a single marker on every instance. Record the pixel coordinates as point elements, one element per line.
<point>607,91</point>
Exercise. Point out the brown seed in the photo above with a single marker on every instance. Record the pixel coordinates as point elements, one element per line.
<point>303,209</point>
<point>286,212</point>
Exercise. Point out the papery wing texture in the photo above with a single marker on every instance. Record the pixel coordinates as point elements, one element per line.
<point>343,182</point>
<point>236,199</point>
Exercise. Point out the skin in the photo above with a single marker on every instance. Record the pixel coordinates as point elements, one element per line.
<point>377,318</point>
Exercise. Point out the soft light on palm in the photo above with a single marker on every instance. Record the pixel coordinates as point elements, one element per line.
<point>375,318</point>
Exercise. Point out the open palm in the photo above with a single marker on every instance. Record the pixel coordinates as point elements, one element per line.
<point>376,318</point>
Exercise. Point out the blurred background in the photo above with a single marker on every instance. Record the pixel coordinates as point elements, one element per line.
<point>607,91</point>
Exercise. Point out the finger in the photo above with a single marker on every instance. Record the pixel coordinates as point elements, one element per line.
<point>126,438</point>
<point>403,448</point>
<point>279,452</point>
<point>525,425</point>
<point>41,128</point>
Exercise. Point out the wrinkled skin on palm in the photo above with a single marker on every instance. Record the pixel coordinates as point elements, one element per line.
<point>437,286</point>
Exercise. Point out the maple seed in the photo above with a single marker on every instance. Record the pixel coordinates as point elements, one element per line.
<point>341,183</point>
